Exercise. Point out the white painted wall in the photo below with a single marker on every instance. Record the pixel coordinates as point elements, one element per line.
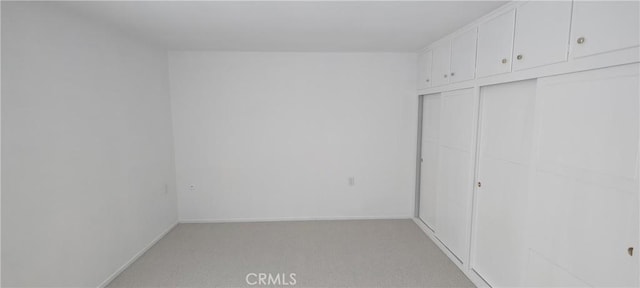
<point>87,169</point>
<point>277,135</point>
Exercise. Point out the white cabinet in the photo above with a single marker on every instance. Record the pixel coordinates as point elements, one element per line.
<point>429,169</point>
<point>603,26</point>
<point>463,56</point>
<point>495,43</point>
<point>455,168</point>
<point>424,69</point>
<point>441,69</point>
<point>584,198</point>
<point>542,33</point>
<point>506,125</point>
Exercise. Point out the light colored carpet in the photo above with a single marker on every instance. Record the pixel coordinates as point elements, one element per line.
<point>354,253</point>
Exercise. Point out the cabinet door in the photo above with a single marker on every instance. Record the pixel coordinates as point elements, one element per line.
<point>542,33</point>
<point>455,167</point>
<point>429,169</point>
<point>424,69</point>
<point>495,43</point>
<point>584,201</point>
<point>441,58</point>
<point>604,26</point>
<point>499,253</point>
<point>463,56</point>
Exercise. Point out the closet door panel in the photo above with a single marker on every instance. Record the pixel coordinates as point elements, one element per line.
<point>584,203</point>
<point>499,250</point>
<point>457,118</point>
<point>429,169</point>
<point>589,125</point>
<point>455,166</point>
<point>568,213</point>
<point>507,119</point>
<point>429,184</point>
<point>431,117</point>
<point>500,253</point>
<point>454,195</point>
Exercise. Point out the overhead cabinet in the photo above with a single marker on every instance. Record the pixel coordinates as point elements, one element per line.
<point>535,34</point>
<point>425,61</point>
<point>542,33</point>
<point>495,43</point>
<point>441,64</point>
<point>463,56</point>
<point>604,26</point>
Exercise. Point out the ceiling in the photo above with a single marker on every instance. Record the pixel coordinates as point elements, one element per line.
<point>352,26</point>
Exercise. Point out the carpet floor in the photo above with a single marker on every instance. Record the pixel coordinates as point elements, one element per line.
<point>349,253</point>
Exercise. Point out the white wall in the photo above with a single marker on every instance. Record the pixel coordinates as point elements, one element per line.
<point>277,135</point>
<point>88,178</point>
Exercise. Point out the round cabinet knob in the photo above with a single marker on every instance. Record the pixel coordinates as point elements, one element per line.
<point>504,61</point>
<point>580,40</point>
<point>453,74</point>
<point>445,75</point>
<point>519,57</point>
<point>426,80</point>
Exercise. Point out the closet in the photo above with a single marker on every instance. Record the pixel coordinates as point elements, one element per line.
<point>554,201</point>
<point>530,160</point>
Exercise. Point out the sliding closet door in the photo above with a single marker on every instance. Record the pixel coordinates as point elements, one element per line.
<point>455,165</point>
<point>499,253</point>
<point>584,203</point>
<point>429,169</point>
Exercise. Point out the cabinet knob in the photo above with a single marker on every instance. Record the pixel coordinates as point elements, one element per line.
<point>580,40</point>
<point>630,251</point>
<point>426,80</point>
<point>445,75</point>
<point>452,73</point>
<point>519,57</point>
<point>504,61</point>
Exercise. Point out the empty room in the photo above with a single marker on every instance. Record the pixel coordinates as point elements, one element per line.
<point>320,143</point>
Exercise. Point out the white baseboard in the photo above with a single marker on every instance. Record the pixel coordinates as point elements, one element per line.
<point>475,278</point>
<point>136,256</point>
<point>284,219</point>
